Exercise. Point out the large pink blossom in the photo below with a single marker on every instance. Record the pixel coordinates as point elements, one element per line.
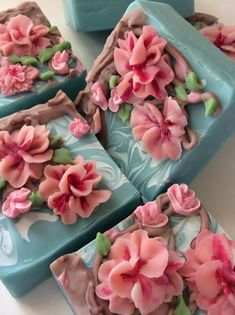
<point>221,36</point>
<point>160,133</point>
<point>16,79</point>
<point>21,37</point>
<point>143,66</point>
<point>140,274</point>
<point>209,271</point>
<point>183,199</point>
<point>70,189</point>
<point>22,154</point>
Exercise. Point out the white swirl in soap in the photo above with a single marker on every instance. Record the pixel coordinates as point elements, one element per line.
<point>8,254</point>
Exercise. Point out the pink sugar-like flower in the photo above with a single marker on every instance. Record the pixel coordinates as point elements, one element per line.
<point>69,190</point>
<point>78,128</point>
<point>140,274</point>
<point>22,154</point>
<point>17,203</point>
<point>59,62</point>
<point>209,271</point>
<point>21,37</point>
<point>150,215</point>
<point>142,65</point>
<point>221,36</point>
<point>183,199</point>
<point>160,133</point>
<point>16,79</point>
<point>98,97</point>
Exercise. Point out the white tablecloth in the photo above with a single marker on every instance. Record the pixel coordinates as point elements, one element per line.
<point>215,185</point>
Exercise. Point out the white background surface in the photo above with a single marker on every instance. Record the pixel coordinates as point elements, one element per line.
<point>215,185</point>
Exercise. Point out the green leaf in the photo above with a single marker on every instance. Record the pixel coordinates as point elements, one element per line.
<point>14,59</point>
<point>62,46</point>
<point>182,308</point>
<point>124,112</point>
<point>54,29</point>
<point>47,75</point>
<point>113,81</point>
<point>211,106</point>
<point>46,54</point>
<point>55,142</point>
<point>199,25</point>
<point>181,92</point>
<point>36,199</point>
<point>2,183</point>
<point>192,82</point>
<point>28,60</point>
<point>102,243</point>
<point>62,156</point>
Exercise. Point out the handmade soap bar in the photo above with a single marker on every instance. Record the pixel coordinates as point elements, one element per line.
<point>30,242</point>
<point>145,139</point>
<point>152,262</point>
<point>35,62</point>
<point>93,15</point>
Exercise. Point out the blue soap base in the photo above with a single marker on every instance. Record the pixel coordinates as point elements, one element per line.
<point>152,177</point>
<point>93,15</point>
<point>29,244</point>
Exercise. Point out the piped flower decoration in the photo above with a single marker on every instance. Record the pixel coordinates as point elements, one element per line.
<point>140,273</point>
<point>150,215</point>
<point>15,79</point>
<point>183,199</point>
<point>22,154</point>
<point>160,132</point>
<point>21,37</point>
<point>69,190</point>
<point>78,128</point>
<point>209,271</point>
<point>142,65</point>
<point>59,62</point>
<point>221,36</point>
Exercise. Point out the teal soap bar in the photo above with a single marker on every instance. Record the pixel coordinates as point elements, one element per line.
<point>29,243</point>
<point>93,15</point>
<point>32,73</point>
<point>218,72</point>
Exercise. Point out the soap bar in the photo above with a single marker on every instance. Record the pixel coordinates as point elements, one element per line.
<point>151,175</point>
<point>115,269</point>
<point>34,67</point>
<point>92,15</point>
<point>30,242</point>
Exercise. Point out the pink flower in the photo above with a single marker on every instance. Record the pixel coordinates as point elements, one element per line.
<point>209,271</point>
<point>150,215</point>
<point>22,154</point>
<point>221,36</point>
<point>16,79</point>
<point>183,199</point>
<point>17,203</point>
<point>143,68</point>
<point>161,133</point>
<point>20,37</point>
<point>78,128</point>
<point>98,97</point>
<point>59,62</point>
<point>69,189</point>
<point>140,274</point>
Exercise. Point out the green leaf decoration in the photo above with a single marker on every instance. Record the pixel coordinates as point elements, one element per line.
<point>56,142</point>
<point>54,29</point>
<point>113,81</point>
<point>102,244</point>
<point>192,82</point>
<point>211,106</point>
<point>182,308</point>
<point>28,60</point>
<point>62,156</point>
<point>14,59</point>
<point>48,53</point>
<point>181,92</point>
<point>62,46</point>
<point>36,199</point>
<point>2,183</point>
<point>47,75</point>
<point>124,112</point>
<point>199,25</point>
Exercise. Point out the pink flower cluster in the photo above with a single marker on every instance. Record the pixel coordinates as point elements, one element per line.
<point>69,190</point>
<point>221,36</point>
<point>78,128</point>
<point>21,37</point>
<point>160,132</point>
<point>22,154</point>
<point>210,273</point>
<point>140,273</point>
<point>16,79</point>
